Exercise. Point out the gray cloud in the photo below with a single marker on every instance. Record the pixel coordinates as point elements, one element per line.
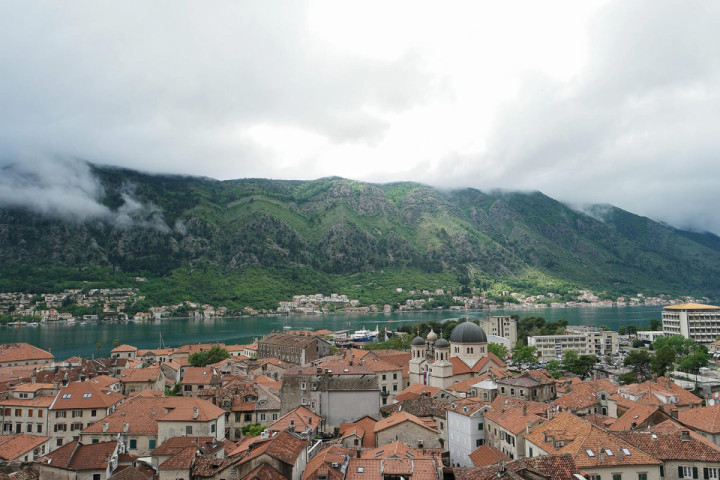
<point>166,88</point>
<point>639,127</point>
<point>66,188</point>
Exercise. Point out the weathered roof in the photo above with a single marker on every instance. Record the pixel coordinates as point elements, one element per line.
<point>22,352</point>
<point>80,395</point>
<point>705,419</point>
<point>76,456</point>
<point>401,417</point>
<point>487,455</point>
<point>691,306</point>
<point>14,445</point>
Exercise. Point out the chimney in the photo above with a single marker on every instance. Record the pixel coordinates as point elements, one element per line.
<point>654,377</point>
<point>126,427</point>
<point>195,413</point>
<point>685,435</point>
<point>292,426</point>
<point>601,455</point>
<point>105,427</point>
<point>524,410</point>
<point>674,413</point>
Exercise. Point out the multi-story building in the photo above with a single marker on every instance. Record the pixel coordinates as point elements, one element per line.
<point>538,388</point>
<point>465,429</point>
<point>508,420</point>
<point>339,394</point>
<point>27,410</point>
<point>501,326</point>
<point>582,340</point>
<point>16,354</point>
<point>692,320</point>
<point>297,349</point>
<point>76,406</point>
<point>145,421</point>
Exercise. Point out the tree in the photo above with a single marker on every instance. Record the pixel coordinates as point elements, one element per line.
<point>98,346</point>
<point>584,365</point>
<point>252,430</point>
<point>523,354</point>
<point>208,357</point>
<point>663,359</point>
<point>639,360</point>
<point>498,349</point>
<point>697,358</point>
<point>554,368</point>
<point>570,360</point>
<point>175,391</point>
<point>655,324</point>
<point>116,343</point>
<point>681,345</point>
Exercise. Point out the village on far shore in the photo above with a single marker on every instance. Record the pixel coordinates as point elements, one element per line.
<point>477,402</point>
<point>124,304</point>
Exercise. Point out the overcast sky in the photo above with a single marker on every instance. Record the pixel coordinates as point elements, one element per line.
<point>589,102</point>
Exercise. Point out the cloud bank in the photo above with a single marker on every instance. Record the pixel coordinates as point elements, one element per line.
<point>590,102</point>
<point>67,189</point>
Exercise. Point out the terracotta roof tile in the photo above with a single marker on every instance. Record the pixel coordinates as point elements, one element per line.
<point>487,455</point>
<point>321,463</point>
<point>553,467</point>
<point>181,460</point>
<point>264,472</point>
<point>588,444</point>
<point>81,395</point>
<point>15,445</point>
<point>672,445</point>
<point>507,413</point>
<point>22,352</point>
<point>366,425</point>
<point>705,419</point>
<point>76,456</point>
<point>400,417</point>
<point>301,418</point>
<point>147,374</point>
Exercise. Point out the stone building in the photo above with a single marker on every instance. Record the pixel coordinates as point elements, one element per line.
<point>297,349</point>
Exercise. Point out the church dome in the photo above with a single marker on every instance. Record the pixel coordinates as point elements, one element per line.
<point>442,343</point>
<point>468,332</point>
<point>418,342</point>
<point>432,336</point>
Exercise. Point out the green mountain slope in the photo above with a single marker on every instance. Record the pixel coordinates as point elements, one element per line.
<point>256,241</point>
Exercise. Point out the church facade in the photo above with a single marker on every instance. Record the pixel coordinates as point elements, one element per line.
<point>440,363</point>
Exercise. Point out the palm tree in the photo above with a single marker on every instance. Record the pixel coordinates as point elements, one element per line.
<point>116,343</point>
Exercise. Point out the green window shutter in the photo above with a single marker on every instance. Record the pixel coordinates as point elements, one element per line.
<point>680,472</point>
<point>705,473</point>
<point>695,472</point>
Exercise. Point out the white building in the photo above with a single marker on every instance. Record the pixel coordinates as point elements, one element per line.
<point>502,326</point>
<point>584,341</point>
<point>465,429</point>
<point>692,320</point>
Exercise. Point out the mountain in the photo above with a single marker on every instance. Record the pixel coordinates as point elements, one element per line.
<point>257,241</point>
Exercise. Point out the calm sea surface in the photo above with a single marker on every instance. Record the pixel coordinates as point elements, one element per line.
<point>68,340</point>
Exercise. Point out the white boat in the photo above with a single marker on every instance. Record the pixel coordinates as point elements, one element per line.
<point>365,335</point>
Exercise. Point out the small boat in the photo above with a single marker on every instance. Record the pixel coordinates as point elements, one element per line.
<point>33,324</point>
<point>365,335</point>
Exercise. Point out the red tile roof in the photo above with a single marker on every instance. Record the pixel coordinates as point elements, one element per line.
<point>401,417</point>
<point>507,412</point>
<point>147,374</point>
<point>76,456</point>
<point>80,395</point>
<point>705,419</point>
<point>302,419</point>
<point>22,352</point>
<point>487,455</point>
<point>589,445</point>
<point>366,425</point>
<point>15,445</point>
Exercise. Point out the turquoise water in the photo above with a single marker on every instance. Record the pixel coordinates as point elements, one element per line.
<point>67,340</point>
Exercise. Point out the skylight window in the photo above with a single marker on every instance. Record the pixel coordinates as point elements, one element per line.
<point>626,451</point>
<point>609,452</point>
<point>67,395</point>
<point>590,453</point>
<point>87,395</point>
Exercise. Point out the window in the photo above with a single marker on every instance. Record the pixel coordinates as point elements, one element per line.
<point>384,377</point>
<point>58,442</point>
<point>152,443</point>
<point>262,417</point>
<point>18,412</point>
<point>40,413</point>
<point>77,413</point>
<point>594,476</point>
<point>93,413</point>
<point>303,386</point>
<point>643,476</point>
<point>395,387</point>
<point>133,444</point>
<point>39,428</point>
<point>96,476</point>
<point>530,452</point>
<point>212,428</point>
<point>95,440</point>
<point>481,426</point>
<point>29,427</point>
<point>30,412</point>
<point>479,442</point>
<point>67,395</point>
<point>188,430</point>
<point>394,376</point>
<point>686,472</point>
<point>87,395</point>
<point>617,476</point>
<point>248,417</point>
<point>274,416</point>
